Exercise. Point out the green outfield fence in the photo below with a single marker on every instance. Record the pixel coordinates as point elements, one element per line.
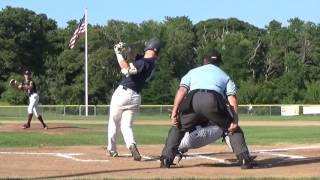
<point>102,110</point>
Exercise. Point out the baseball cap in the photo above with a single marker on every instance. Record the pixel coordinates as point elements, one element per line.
<point>27,72</point>
<point>213,56</point>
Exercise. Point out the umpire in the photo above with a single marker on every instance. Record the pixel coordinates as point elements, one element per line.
<point>203,94</point>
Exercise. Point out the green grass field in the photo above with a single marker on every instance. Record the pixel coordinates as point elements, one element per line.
<point>162,117</point>
<point>150,134</point>
<point>85,133</point>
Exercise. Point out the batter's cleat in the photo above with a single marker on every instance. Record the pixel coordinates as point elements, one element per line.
<point>135,153</point>
<point>45,127</point>
<point>26,126</point>
<point>113,154</point>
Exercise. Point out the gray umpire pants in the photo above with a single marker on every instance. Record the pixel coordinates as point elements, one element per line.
<point>203,105</point>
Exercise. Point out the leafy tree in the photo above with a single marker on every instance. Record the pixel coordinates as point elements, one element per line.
<point>23,44</point>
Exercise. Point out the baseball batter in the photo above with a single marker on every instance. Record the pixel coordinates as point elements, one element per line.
<point>126,99</point>
<point>29,87</point>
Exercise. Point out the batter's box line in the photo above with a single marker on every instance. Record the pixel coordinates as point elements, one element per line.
<point>69,156</point>
<point>273,151</point>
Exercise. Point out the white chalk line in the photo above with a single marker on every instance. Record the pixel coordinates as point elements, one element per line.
<point>143,156</point>
<point>292,148</point>
<point>61,155</point>
<point>272,151</point>
<point>188,157</point>
<point>214,159</point>
<point>283,155</point>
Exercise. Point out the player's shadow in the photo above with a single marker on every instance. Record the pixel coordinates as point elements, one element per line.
<point>66,127</point>
<point>268,163</point>
<point>96,173</point>
<point>285,161</point>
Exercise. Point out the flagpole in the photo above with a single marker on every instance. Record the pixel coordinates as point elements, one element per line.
<point>86,60</point>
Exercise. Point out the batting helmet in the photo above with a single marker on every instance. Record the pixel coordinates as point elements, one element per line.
<point>153,44</point>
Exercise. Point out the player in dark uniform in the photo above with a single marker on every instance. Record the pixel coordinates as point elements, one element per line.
<point>29,87</point>
<point>126,99</point>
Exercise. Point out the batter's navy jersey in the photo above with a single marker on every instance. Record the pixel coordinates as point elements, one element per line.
<point>137,81</point>
<point>209,77</point>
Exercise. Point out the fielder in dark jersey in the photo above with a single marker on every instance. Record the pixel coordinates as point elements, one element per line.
<point>126,99</point>
<point>29,87</point>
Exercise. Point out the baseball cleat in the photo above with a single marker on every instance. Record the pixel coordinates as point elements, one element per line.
<point>135,153</point>
<point>113,154</point>
<point>26,126</point>
<point>179,156</point>
<point>45,127</point>
<point>165,163</point>
<point>246,161</point>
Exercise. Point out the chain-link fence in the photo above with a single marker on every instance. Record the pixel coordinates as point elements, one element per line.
<point>148,110</point>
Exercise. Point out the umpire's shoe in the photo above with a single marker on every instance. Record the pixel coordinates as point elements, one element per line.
<point>164,162</point>
<point>135,153</point>
<point>246,161</point>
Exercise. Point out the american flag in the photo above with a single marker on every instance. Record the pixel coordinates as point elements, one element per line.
<point>76,35</point>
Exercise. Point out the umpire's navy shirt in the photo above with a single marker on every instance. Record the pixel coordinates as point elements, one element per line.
<point>137,81</point>
<point>209,77</point>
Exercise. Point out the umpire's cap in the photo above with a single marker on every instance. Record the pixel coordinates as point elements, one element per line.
<point>27,72</point>
<point>153,44</point>
<point>213,57</point>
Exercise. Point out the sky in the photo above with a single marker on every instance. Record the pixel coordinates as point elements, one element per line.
<point>256,12</point>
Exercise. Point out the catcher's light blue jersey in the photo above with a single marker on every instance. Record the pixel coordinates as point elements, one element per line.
<point>209,77</point>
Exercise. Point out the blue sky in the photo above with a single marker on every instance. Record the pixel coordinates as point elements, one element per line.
<point>256,12</point>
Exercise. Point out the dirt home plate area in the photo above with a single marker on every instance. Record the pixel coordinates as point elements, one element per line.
<point>213,161</point>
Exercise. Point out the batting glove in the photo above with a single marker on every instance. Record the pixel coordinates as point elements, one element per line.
<point>132,69</point>
<point>117,49</point>
<point>125,71</point>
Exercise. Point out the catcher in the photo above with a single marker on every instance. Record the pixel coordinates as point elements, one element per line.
<point>29,87</point>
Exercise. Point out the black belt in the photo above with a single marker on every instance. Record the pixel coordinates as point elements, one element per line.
<point>30,94</point>
<point>126,88</point>
<point>206,90</point>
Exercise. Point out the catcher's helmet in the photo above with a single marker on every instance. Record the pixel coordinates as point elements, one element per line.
<point>153,44</point>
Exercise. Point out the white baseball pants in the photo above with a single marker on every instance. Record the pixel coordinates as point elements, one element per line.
<point>125,103</point>
<point>34,105</point>
<point>200,137</point>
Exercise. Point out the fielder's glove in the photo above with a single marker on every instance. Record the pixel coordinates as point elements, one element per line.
<point>13,82</point>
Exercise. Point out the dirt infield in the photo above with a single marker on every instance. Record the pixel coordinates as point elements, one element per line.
<point>213,161</point>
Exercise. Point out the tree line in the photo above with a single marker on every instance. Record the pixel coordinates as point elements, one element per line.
<point>275,64</point>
